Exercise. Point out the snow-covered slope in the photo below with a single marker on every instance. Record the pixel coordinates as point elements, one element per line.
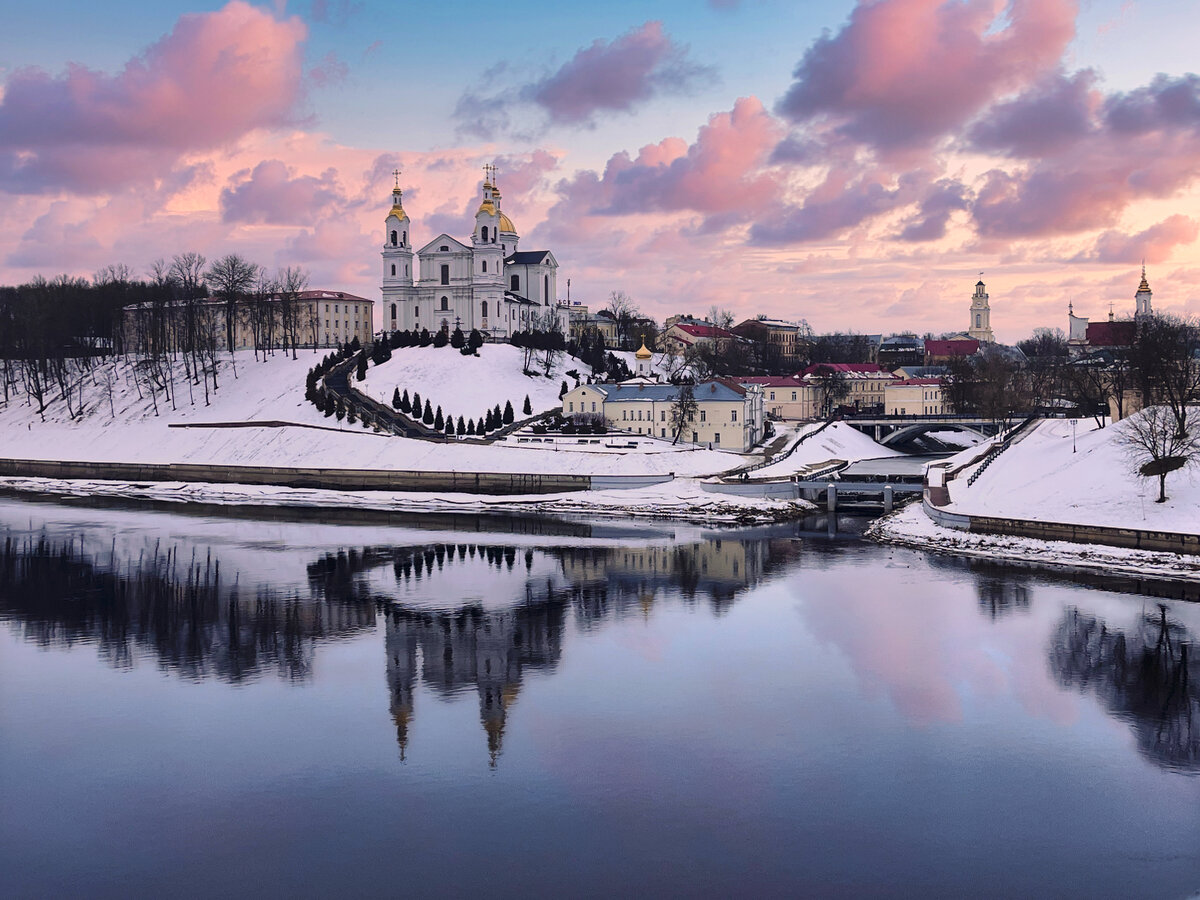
<point>129,431</point>
<point>470,385</point>
<point>1041,477</point>
<point>838,441</point>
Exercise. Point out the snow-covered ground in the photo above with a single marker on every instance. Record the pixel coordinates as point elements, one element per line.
<point>469,386</point>
<point>1089,480</point>
<point>129,431</point>
<point>911,527</point>
<point>682,499</point>
<point>838,441</point>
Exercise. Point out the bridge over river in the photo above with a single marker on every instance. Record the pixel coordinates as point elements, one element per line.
<point>894,429</point>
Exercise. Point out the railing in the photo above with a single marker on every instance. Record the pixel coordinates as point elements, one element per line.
<point>1006,441</point>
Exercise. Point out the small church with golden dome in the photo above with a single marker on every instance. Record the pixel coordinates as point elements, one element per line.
<point>486,283</point>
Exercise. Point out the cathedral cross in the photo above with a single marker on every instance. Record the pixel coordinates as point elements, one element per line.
<point>396,175</point>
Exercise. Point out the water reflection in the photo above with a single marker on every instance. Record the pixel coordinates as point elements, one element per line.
<point>1147,677</point>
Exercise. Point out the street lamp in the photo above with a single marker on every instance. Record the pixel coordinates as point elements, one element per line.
<point>1073,421</point>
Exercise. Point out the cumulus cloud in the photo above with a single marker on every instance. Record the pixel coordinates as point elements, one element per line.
<point>271,194</point>
<point>214,78</point>
<point>945,197</point>
<point>720,173</point>
<point>1054,114</point>
<point>604,77</point>
<point>905,73</point>
<point>1154,245</point>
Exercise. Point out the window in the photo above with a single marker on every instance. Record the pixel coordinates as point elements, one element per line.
<point>717,436</point>
<point>443,248</point>
<point>483,232</point>
<point>335,307</point>
<point>793,395</point>
<point>326,307</point>
<point>514,283</point>
<point>772,395</point>
<point>664,432</point>
<point>663,416</point>
<point>326,323</point>
<point>406,271</point>
<point>704,414</point>
<point>416,310</point>
<point>485,309</point>
<point>485,265</point>
<point>393,239</point>
<point>393,310</point>
<point>695,438</point>
<point>978,320</point>
<point>546,289</point>
<point>624,416</point>
<point>404,237</point>
<point>571,407</point>
<point>445,303</point>
<point>445,274</point>
<point>393,270</point>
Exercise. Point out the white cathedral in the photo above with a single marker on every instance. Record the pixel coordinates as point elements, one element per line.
<point>487,284</point>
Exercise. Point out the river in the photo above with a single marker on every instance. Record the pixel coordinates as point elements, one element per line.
<point>196,702</point>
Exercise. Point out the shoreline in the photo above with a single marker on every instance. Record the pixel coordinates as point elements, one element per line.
<point>911,527</point>
<point>686,501</point>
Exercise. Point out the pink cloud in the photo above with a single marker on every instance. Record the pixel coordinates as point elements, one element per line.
<point>329,71</point>
<point>1154,245</point>
<point>721,173</point>
<point>903,73</point>
<point>271,194</point>
<point>214,78</point>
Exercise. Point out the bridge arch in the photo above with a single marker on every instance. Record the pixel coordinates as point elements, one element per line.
<point>910,431</point>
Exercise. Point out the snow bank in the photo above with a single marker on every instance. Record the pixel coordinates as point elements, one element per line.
<point>129,430</point>
<point>911,527</point>
<point>1047,476</point>
<point>838,441</point>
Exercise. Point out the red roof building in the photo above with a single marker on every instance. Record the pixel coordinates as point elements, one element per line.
<point>935,350</point>
<point>1111,334</point>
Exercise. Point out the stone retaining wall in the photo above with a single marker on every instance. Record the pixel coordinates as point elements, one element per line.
<point>1132,538</point>
<point>329,479</point>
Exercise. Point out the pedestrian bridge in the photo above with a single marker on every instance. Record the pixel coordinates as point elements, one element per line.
<point>894,429</point>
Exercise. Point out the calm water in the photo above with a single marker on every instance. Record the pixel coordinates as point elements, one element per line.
<point>193,705</point>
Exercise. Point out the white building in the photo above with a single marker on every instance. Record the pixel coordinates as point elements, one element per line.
<point>486,283</point>
<point>981,316</point>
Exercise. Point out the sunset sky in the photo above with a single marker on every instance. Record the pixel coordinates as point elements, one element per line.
<point>853,164</point>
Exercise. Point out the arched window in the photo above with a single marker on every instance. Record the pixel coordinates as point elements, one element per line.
<point>484,232</point>
<point>406,270</point>
<point>514,283</point>
<point>393,269</point>
<point>404,238</point>
<point>485,309</point>
<point>546,289</point>
<point>393,312</point>
<point>393,239</point>
<point>445,303</point>
<point>445,274</point>
<point>485,265</point>
<point>978,320</point>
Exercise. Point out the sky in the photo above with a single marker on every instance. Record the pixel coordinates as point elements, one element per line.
<point>856,165</point>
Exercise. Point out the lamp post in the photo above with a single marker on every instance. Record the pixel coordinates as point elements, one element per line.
<point>1073,421</point>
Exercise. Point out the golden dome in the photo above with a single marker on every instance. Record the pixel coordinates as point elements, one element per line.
<point>643,353</point>
<point>1145,285</point>
<point>487,207</point>
<point>398,212</point>
<point>506,224</point>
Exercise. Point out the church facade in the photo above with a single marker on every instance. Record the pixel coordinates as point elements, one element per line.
<point>485,283</point>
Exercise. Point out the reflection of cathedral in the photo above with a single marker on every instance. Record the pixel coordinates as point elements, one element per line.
<point>487,651</point>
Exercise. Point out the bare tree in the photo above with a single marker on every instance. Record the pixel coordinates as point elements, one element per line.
<point>683,410</point>
<point>1158,445</point>
<point>231,278</point>
<point>292,281</point>
<point>623,311</point>
<point>831,388</point>
<point>1166,361</point>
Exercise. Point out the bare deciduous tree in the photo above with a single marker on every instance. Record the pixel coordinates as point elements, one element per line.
<point>1157,445</point>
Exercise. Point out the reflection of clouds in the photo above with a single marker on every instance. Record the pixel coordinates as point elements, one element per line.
<point>922,644</point>
<point>1148,678</point>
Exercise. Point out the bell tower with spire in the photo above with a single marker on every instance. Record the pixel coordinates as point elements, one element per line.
<point>1142,298</point>
<point>397,260</point>
<point>981,315</point>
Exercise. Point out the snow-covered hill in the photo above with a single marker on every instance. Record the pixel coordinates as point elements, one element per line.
<point>1086,480</point>
<point>838,441</point>
<point>127,429</point>
<point>470,385</point>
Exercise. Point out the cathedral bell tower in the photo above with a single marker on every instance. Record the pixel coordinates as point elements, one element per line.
<point>487,275</point>
<point>981,314</point>
<point>1142,298</point>
<point>397,262</point>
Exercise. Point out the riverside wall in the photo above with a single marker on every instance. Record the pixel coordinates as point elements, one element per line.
<point>327,479</point>
<point>1132,538</point>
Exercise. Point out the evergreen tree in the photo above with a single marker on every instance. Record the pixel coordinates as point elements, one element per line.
<point>426,338</point>
<point>470,428</point>
<point>350,419</point>
<point>330,407</point>
<point>439,422</point>
<point>394,340</point>
<point>355,346</point>
<point>489,424</point>
<point>497,417</point>
<point>508,413</point>
<point>457,340</point>
<point>474,340</point>
<point>440,339</point>
<point>460,427</point>
<point>449,426</point>
<point>405,404</point>
<point>427,418</point>
<point>416,406</point>
<point>362,366</point>
<point>341,411</point>
<point>527,409</point>
<point>396,398</point>
<point>562,392</point>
